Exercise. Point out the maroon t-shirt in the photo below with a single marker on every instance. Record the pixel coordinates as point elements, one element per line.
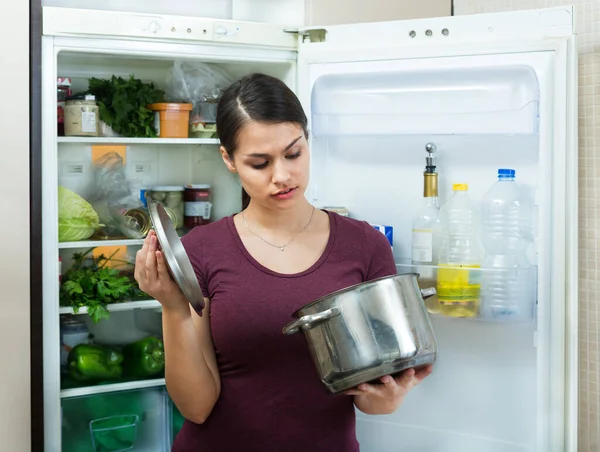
<point>271,396</point>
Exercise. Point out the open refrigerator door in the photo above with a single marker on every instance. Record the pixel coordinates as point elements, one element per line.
<point>463,98</point>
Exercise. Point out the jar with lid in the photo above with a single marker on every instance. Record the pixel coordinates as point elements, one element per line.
<point>171,197</point>
<point>73,331</point>
<point>81,116</point>
<point>198,205</point>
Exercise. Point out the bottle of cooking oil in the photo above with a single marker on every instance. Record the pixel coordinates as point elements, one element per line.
<point>425,229</point>
<point>459,258</point>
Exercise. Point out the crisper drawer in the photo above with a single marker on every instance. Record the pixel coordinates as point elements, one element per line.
<point>133,420</point>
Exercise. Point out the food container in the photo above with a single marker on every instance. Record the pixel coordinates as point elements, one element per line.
<point>171,120</point>
<point>198,205</point>
<point>135,223</point>
<point>343,211</point>
<point>171,197</point>
<point>361,333</point>
<point>73,331</point>
<point>63,85</point>
<point>81,116</point>
<point>114,433</point>
<point>201,130</point>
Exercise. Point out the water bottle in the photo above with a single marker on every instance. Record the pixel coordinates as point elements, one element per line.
<point>506,234</point>
<point>459,258</point>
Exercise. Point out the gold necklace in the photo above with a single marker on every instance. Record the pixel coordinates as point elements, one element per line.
<point>281,247</point>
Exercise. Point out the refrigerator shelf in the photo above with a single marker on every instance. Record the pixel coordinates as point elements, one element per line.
<point>478,285</point>
<point>116,307</point>
<point>123,140</point>
<point>99,243</point>
<point>108,388</point>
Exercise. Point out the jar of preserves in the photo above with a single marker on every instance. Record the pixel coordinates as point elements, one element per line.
<point>81,116</point>
<point>198,205</point>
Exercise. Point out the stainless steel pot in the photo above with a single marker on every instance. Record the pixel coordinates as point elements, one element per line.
<point>361,333</point>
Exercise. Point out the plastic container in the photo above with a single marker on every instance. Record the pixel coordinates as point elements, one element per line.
<point>198,205</point>
<point>81,116</point>
<point>171,120</point>
<point>507,291</point>
<point>458,287</point>
<point>114,433</point>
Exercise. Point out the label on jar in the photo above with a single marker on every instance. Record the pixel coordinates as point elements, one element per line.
<point>88,122</point>
<point>198,209</point>
<point>422,245</point>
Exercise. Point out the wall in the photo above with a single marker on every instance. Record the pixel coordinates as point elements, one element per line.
<point>14,228</point>
<point>330,12</point>
<point>588,29</point>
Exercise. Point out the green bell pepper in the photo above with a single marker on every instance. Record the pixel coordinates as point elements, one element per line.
<point>88,362</point>
<point>144,358</point>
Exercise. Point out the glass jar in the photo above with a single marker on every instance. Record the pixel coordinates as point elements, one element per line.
<point>171,197</point>
<point>73,331</point>
<point>198,205</point>
<point>63,91</point>
<point>81,116</point>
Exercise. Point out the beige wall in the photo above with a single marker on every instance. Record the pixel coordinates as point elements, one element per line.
<point>331,12</point>
<point>588,29</point>
<point>14,228</point>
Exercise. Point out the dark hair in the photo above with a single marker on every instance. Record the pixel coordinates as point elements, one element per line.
<point>256,97</point>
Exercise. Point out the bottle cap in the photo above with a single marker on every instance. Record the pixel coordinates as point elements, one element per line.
<point>460,187</point>
<point>506,172</point>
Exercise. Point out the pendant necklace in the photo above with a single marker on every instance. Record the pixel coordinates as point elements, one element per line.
<point>280,247</point>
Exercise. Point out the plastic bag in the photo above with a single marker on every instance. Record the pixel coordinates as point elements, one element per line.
<point>113,198</point>
<point>200,84</point>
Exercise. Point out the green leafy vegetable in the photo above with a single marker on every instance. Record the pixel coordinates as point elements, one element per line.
<point>95,286</point>
<point>123,104</point>
<point>77,219</point>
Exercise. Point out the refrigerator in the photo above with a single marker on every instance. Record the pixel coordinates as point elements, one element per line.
<point>489,91</point>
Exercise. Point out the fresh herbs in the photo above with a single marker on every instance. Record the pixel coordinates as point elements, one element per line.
<point>123,104</point>
<point>91,283</point>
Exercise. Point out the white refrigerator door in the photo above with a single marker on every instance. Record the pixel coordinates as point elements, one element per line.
<point>507,81</point>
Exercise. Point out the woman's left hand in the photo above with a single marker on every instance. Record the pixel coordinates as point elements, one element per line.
<point>385,398</point>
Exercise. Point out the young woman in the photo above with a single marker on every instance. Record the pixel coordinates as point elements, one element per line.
<point>240,383</point>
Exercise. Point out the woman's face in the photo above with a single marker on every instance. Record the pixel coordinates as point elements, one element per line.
<point>272,161</point>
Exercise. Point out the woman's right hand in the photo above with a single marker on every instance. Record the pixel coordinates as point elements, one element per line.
<point>153,277</point>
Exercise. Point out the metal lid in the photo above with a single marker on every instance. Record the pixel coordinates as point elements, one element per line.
<point>167,188</point>
<point>178,263</point>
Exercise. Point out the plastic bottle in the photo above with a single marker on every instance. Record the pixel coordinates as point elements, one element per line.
<point>506,234</point>
<point>458,286</point>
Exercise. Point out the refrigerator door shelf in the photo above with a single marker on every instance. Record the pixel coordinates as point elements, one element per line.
<point>449,98</point>
<point>459,282</point>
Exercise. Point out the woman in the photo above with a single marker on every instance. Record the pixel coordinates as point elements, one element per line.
<point>240,383</point>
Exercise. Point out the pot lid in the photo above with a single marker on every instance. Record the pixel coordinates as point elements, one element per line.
<point>178,262</point>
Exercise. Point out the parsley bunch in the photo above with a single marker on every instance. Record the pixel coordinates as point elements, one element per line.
<point>96,285</point>
<point>123,104</point>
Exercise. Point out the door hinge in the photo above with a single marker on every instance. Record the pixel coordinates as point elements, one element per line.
<point>309,35</point>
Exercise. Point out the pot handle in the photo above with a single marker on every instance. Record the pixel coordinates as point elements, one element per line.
<point>428,292</point>
<point>306,322</point>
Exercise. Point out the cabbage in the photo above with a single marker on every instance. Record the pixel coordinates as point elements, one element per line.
<point>77,219</point>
